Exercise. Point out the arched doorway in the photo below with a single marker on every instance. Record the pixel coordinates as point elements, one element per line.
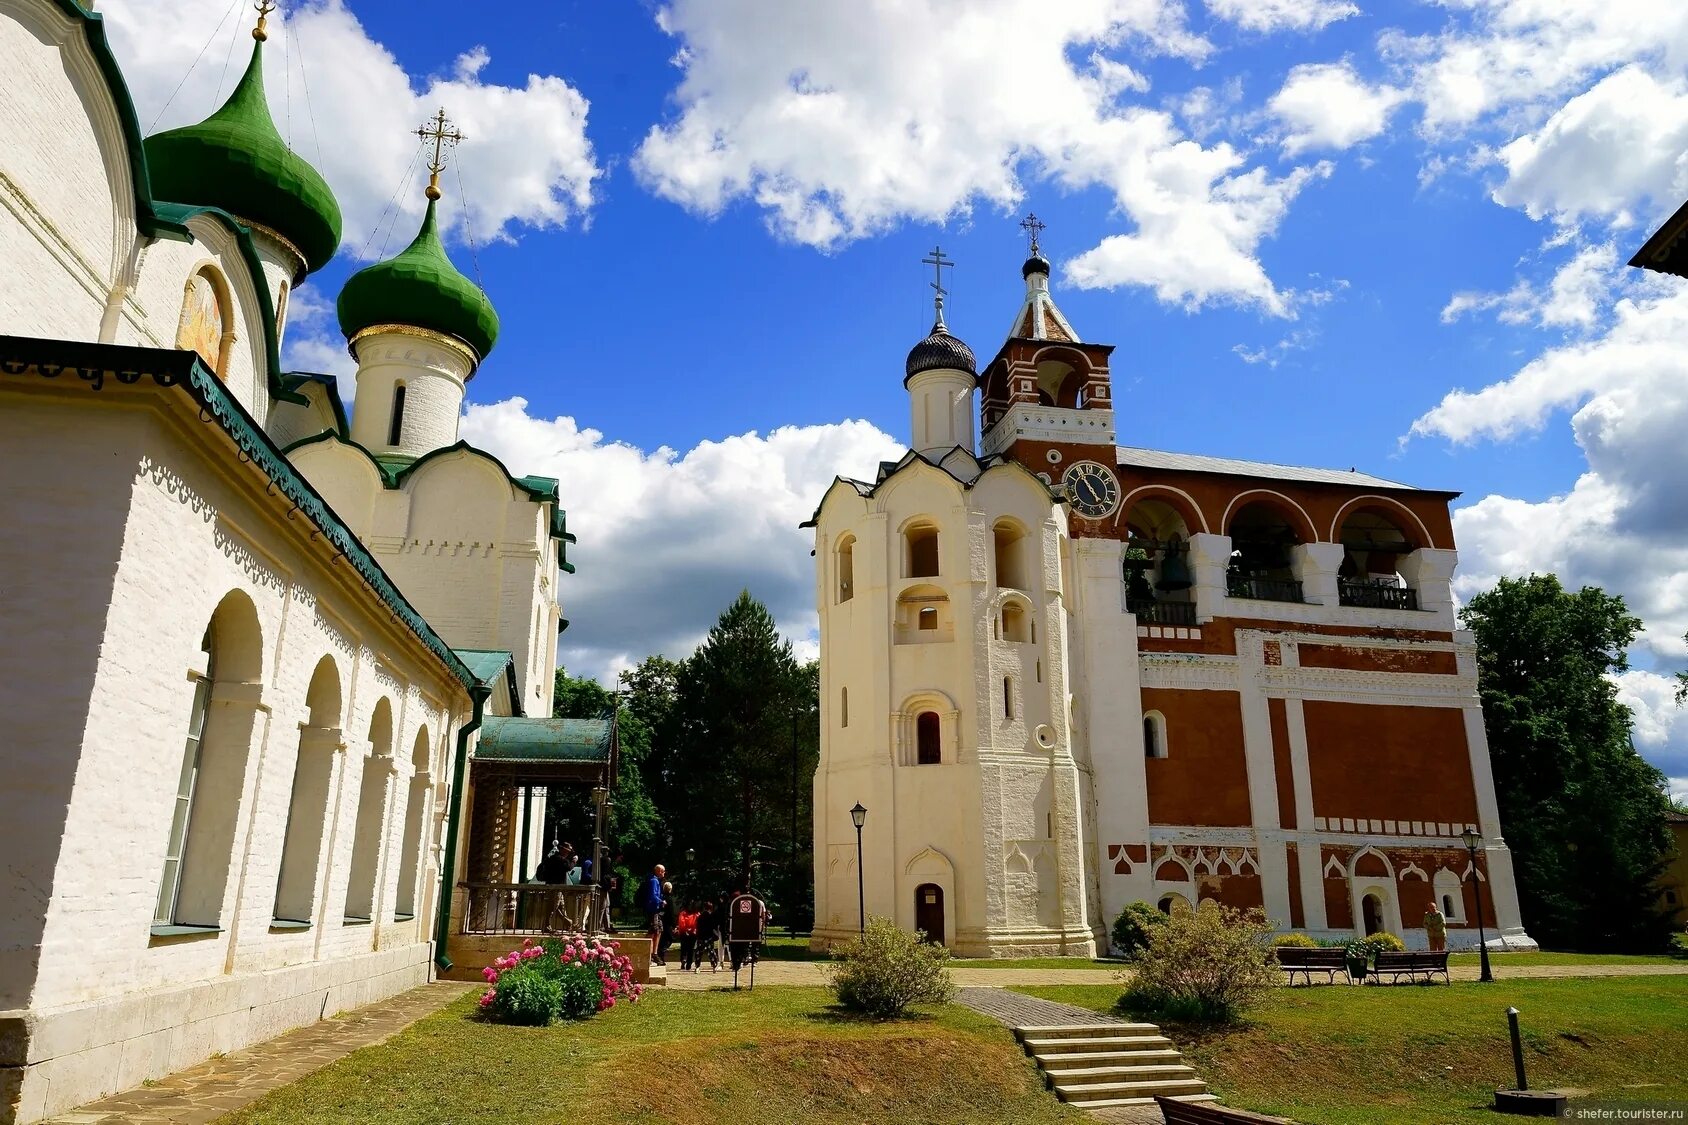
<point>1371,913</point>
<point>929,912</point>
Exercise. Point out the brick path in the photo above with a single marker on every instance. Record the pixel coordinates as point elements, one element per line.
<point>1018,1010</point>
<point>211,1089</point>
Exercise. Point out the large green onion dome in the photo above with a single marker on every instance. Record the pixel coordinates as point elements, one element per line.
<point>236,160</point>
<point>420,289</point>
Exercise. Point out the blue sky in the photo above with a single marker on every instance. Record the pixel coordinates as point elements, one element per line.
<point>1308,225</point>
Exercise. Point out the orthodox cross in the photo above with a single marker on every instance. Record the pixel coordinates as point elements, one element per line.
<point>1033,227</point>
<point>938,261</point>
<point>439,130</point>
<point>265,7</point>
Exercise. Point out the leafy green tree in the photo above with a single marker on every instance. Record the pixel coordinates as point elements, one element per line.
<point>634,822</point>
<point>1582,811</point>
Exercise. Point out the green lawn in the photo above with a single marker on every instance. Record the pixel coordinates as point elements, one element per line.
<point>771,1056</point>
<point>1501,960</point>
<point>1417,1055</point>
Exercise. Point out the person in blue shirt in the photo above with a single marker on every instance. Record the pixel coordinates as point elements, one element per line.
<point>650,901</point>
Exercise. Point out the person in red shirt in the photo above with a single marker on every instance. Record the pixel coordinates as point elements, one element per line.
<point>685,928</point>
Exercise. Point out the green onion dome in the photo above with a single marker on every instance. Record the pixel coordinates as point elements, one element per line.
<point>236,160</point>
<point>420,289</point>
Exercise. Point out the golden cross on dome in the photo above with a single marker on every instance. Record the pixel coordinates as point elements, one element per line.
<point>265,7</point>
<point>444,135</point>
<point>937,260</point>
<point>1033,226</point>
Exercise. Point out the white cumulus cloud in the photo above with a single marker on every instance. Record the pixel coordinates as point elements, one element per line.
<point>1328,105</point>
<point>841,121</point>
<point>669,538</point>
<point>347,105</point>
<point>1282,15</point>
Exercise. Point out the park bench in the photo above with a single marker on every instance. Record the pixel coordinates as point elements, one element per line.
<point>1294,960</point>
<point>1175,1112</point>
<point>1411,965</point>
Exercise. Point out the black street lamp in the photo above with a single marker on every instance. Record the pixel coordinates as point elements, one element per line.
<point>1472,838</point>
<point>858,817</point>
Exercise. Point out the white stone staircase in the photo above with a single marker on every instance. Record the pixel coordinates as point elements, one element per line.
<point>1101,1065</point>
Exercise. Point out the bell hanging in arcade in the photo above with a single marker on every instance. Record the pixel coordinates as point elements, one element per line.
<point>1174,571</point>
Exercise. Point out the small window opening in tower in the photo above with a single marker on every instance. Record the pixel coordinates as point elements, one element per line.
<point>396,430</point>
<point>922,551</point>
<point>926,739</point>
<point>1007,697</point>
<point>928,618</point>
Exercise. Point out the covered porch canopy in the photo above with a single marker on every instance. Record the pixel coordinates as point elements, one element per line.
<point>517,760</point>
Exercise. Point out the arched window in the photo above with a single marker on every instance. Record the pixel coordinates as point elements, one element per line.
<point>1449,893</point>
<point>307,808</point>
<point>371,817</point>
<point>1016,625</point>
<point>843,706</point>
<point>415,817</point>
<point>847,569</point>
<point>199,849</point>
<point>928,751</point>
<point>1154,735</point>
<point>1010,545</point>
<point>395,428</point>
<point>921,550</point>
<point>923,616</point>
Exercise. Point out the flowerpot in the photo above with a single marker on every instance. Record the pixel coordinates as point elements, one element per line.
<point>1357,969</point>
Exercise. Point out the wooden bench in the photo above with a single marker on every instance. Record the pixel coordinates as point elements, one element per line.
<point>1175,1112</point>
<point>1294,959</point>
<point>1410,965</point>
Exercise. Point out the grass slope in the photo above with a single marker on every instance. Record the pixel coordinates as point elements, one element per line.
<point>1416,1055</point>
<point>774,1055</point>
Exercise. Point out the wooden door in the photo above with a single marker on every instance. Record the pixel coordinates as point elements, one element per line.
<point>929,911</point>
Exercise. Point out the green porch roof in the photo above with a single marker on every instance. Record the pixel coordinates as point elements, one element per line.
<point>485,664</point>
<point>575,741</point>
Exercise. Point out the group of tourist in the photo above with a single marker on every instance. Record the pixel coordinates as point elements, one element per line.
<point>700,929</point>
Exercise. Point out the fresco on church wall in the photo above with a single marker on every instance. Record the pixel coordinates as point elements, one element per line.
<point>202,324</point>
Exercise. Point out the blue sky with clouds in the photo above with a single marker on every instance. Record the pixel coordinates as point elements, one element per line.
<point>1329,232</point>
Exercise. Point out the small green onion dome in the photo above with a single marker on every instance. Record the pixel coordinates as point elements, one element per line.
<point>236,160</point>
<point>420,289</point>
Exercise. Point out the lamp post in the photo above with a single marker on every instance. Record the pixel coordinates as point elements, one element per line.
<point>858,817</point>
<point>1472,838</point>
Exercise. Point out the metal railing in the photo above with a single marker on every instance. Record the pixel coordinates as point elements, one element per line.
<point>1263,589</point>
<point>531,908</point>
<point>1372,595</point>
<point>1163,613</point>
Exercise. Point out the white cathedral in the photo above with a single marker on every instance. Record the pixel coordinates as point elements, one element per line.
<point>273,680</point>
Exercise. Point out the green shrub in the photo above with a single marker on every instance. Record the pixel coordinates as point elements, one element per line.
<point>1133,927</point>
<point>1208,965</point>
<point>1294,941</point>
<point>579,990</point>
<point>1679,945</point>
<point>526,995</point>
<point>888,969</point>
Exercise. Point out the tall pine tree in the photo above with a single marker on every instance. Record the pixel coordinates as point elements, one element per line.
<point>1582,811</point>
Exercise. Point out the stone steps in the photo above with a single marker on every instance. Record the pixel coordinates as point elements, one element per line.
<point>1111,1064</point>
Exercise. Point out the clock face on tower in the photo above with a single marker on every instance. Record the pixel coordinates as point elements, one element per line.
<point>1092,488</point>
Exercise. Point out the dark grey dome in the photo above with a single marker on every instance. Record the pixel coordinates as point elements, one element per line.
<point>940,350</point>
<point>1037,263</point>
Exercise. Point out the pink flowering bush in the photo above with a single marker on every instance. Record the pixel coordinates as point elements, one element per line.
<point>559,978</point>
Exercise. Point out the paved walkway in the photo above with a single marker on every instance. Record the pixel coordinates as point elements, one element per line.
<point>211,1089</point>
<point>1018,1010</point>
<point>813,973</point>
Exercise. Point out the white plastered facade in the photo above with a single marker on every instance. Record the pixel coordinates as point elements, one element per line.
<point>996,823</point>
<point>134,526</point>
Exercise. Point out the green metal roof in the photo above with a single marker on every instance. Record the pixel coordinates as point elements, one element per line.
<point>236,160</point>
<point>485,664</point>
<point>422,289</point>
<point>583,741</point>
